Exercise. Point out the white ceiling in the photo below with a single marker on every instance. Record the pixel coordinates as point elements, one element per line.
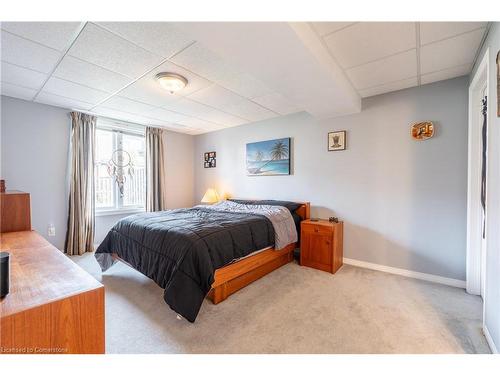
<point>238,73</point>
<point>379,57</point>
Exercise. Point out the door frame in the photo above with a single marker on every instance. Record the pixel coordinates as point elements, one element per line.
<point>476,266</point>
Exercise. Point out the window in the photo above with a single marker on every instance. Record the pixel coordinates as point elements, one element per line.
<point>120,168</point>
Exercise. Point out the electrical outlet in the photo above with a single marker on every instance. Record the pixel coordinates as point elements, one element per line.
<point>52,230</point>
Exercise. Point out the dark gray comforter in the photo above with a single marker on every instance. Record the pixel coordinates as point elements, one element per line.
<point>181,249</point>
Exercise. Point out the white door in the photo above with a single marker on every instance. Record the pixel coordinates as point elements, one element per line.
<point>476,249</point>
<point>483,239</point>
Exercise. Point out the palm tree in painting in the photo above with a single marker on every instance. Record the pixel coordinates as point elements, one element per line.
<point>279,151</point>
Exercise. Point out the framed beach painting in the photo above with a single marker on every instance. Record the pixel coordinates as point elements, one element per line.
<point>269,158</point>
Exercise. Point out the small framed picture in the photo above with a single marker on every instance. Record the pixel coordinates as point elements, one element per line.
<point>209,159</point>
<point>337,141</point>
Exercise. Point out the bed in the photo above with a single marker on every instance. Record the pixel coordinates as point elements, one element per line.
<point>205,251</point>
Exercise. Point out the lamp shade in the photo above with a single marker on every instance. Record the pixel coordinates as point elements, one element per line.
<point>210,196</point>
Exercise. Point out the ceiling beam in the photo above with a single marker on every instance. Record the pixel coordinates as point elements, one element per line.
<point>288,58</point>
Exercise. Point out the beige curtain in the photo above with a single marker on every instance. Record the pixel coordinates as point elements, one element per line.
<point>80,234</point>
<point>155,170</point>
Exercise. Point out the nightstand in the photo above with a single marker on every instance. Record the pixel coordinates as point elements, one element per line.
<point>321,245</point>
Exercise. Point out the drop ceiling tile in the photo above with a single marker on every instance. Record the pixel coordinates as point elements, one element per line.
<point>101,47</point>
<point>15,91</point>
<point>324,28</point>
<point>197,131</point>
<point>216,96</point>
<point>28,54</point>
<point>250,111</point>
<point>197,110</point>
<point>277,103</point>
<point>127,105</point>
<point>207,64</point>
<point>57,35</point>
<point>201,60</point>
<point>121,115</point>
<point>244,85</point>
<point>369,41</point>
<point>390,69</point>
<point>16,75</point>
<point>393,86</point>
<point>160,38</point>
<point>441,75</point>
<point>74,91</point>
<point>451,52</point>
<point>79,71</point>
<point>148,91</point>
<point>61,101</point>
<point>434,31</point>
<point>223,118</point>
<point>169,125</point>
<point>166,115</point>
<point>196,123</point>
<point>189,107</point>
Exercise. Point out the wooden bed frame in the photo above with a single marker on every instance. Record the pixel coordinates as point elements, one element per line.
<point>237,275</point>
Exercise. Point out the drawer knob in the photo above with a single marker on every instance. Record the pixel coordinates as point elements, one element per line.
<point>316,229</point>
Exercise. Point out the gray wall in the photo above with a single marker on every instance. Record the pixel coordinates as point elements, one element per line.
<point>403,202</point>
<point>492,299</point>
<point>34,156</point>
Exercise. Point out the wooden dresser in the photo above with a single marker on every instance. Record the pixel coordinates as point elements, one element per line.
<point>321,245</point>
<point>15,211</point>
<point>54,306</point>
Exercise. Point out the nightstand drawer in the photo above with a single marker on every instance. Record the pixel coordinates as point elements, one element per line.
<point>317,228</point>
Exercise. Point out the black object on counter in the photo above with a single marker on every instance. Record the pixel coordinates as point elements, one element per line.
<point>4,274</point>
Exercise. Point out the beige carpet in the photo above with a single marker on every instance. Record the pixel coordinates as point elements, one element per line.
<point>295,310</point>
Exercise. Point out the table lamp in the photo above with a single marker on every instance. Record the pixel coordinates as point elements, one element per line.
<point>210,196</point>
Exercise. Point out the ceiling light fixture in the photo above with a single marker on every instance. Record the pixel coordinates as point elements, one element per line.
<point>171,82</point>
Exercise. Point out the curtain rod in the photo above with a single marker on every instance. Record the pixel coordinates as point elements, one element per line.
<point>125,122</point>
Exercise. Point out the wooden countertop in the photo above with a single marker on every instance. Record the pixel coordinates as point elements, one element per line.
<point>39,273</point>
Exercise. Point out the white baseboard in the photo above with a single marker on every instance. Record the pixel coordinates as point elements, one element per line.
<point>407,273</point>
<point>490,341</point>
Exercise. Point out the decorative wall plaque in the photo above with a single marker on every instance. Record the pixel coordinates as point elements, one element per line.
<point>422,130</point>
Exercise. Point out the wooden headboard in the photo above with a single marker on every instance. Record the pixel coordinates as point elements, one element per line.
<point>304,211</point>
